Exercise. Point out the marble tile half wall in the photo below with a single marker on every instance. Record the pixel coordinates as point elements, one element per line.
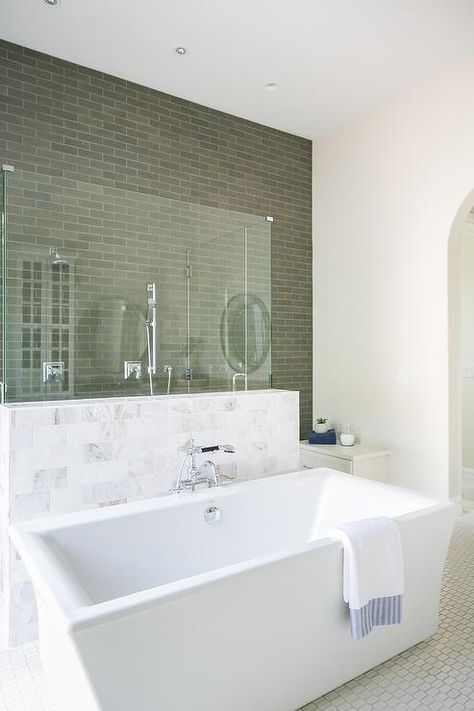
<point>63,457</point>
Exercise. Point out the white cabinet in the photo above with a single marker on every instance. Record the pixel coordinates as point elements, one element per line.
<point>369,462</point>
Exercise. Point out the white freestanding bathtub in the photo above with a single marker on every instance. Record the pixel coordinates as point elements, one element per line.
<point>149,607</point>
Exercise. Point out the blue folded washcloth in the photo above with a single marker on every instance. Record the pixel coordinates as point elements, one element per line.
<point>328,437</point>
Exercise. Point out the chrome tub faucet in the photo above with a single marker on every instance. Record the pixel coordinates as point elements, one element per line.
<point>207,473</point>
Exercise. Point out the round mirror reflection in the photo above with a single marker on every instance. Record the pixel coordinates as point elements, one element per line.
<point>245,311</point>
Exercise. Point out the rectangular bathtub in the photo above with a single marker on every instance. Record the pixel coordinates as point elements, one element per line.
<point>153,606</point>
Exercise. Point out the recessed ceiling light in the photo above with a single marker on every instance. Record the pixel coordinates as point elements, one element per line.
<point>180,50</point>
<point>52,2</point>
<point>271,86</point>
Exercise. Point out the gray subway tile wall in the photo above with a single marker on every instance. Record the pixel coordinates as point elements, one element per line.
<point>76,125</point>
<point>91,315</point>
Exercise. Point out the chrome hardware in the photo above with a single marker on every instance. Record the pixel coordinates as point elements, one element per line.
<point>150,329</point>
<point>57,261</point>
<point>150,321</point>
<point>212,515</point>
<point>268,218</point>
<point>132,369</point>
<point>53,372</point>
<point>235,377</point>
<point>208,473</point>
<point>151,295</point>
<point>8,168</point>
<point>188,374</point>
<point>168,371</point>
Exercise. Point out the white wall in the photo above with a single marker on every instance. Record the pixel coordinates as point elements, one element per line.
<point>386,191</point>
<point>467,342</point>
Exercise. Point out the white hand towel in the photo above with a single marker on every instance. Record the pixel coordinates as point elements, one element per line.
<point>373,572</point>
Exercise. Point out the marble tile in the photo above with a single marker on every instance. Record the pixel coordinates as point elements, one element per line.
<point>112,430</point>
<point>21,438</point>
<point>22,481</point>
<point>127,489</point>
<point>97,452</point>
<point>82,433</point>
<point>45,479</point>
<point>93,495</point>
<point>79,474</point>
<point>66,499</point>
<point>142,465</point>
<point>24,611</point>
<point>38,457</point>
<point>129,447</point>
<point>32,416</point>
<point>26,506</point>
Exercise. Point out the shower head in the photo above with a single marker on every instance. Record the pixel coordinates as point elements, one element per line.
<point>57,262</point>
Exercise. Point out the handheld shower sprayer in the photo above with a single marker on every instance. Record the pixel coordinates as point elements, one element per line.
<point>150,326</point>
<point>151,303</point>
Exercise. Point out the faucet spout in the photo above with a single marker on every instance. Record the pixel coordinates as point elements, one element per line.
<point>210,472</point>
<point>207,473</point>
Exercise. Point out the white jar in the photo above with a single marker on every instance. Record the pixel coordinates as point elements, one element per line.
<point>347,435</point>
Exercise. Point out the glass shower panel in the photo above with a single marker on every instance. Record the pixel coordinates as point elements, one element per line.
<point>3,281</point>
<point>80,257</point>
<point>217,274</point>
<point>259,305</point>
<point>39,352</point>
<point>230,307</point>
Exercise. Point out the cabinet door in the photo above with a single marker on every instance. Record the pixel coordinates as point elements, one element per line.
<point>311,460</point>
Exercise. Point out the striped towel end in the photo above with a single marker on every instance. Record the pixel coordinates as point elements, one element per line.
<point>379,611</point>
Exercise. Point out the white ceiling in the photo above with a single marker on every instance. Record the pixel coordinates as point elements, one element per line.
<point>332,59</point>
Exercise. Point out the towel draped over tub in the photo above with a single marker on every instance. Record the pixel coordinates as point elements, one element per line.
<point>373,582</point>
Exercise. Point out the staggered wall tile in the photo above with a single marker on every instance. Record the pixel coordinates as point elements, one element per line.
<point>84,128</point>
<point>91,315</point>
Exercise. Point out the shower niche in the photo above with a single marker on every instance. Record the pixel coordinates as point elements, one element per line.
<point>76,259</point>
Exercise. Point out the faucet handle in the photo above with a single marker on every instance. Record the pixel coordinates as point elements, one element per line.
<point>191,448</point>
<point>218,448</point>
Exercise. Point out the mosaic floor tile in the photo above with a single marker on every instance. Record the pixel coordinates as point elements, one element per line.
<point>437,674</point>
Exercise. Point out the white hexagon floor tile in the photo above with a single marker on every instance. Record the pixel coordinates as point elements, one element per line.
<point>437,674</point>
